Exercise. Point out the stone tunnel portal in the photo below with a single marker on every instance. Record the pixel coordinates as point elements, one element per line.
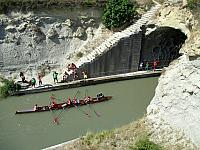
<point>161,45</point>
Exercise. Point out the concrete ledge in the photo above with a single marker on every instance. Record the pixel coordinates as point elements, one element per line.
<point>60,146</point>
<point>91,81</point>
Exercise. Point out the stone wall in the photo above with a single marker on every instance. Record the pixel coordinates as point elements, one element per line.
<point>122,58</point>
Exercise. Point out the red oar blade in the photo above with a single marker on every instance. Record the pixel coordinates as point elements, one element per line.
<point>56,121</point>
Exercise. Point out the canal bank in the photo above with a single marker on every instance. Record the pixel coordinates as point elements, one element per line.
<point>90,81</point>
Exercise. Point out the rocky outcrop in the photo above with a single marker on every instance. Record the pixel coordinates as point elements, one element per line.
<point>175,106</point>
<point>176,17</point>
<point>192,45</point>
<point>28,40</point>
<point>173,114</point>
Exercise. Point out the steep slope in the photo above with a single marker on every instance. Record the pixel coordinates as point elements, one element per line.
<point>173,114</point>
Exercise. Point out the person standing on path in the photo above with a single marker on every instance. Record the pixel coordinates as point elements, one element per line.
<point>33,82</point>
<point>40,79</point>
<point>55,77</point>
<point>154,65</point>
<point>147,66</point>
<point>141,66</point>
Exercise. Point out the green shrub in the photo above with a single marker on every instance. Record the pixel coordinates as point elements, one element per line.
<point>79,54</point>
<point>117,13</point>
<point>193,4</point>
<point>145,144</point>
<point>8,87</point>
<point>90,2</point>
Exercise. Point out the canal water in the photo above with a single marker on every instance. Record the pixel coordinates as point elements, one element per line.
<point>37,131</point>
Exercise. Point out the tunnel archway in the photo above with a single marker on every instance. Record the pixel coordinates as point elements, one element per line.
<point>162,45</point>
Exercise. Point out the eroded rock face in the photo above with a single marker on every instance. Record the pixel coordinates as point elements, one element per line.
<point>173,114</point>
<point>32,39</point>
<point>176,17</point>
<point>192,45</point>
<point>175,108</point>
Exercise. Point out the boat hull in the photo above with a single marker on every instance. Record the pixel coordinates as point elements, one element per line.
<point>60,105</point>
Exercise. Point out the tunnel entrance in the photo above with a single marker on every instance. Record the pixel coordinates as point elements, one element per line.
<point>161,45</point>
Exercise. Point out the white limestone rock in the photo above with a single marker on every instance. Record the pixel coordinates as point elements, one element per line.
<point>177,103</point>
<point>51,33</point>
<point>80,32</point>
<point>11,29</point>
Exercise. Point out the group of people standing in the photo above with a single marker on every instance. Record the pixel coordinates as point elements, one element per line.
<point>145,66</point>
<point>32,82</point>
<point>71,75</point>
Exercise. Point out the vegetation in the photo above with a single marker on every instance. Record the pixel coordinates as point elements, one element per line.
<point>5,5</point>
<point>90,2</point>
<point>193,4</point>
<point>79,55</point>
<point>144,144</point>
<point>122,138</point>
<point>8,87</point>
<point>119,13</point>
<point>93,139</point>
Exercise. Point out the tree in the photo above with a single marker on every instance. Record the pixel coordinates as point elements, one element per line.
<point>117,13</point>
<point>8,87</point>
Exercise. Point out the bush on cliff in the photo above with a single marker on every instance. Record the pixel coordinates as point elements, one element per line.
<point>145,144</point>
<point>194,4</point>
<point>119,13</point>
<point>8,87</point>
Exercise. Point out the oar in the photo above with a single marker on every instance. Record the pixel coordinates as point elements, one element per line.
<point>97,114</point>
<point>55,120</point>
<point>79,108</point>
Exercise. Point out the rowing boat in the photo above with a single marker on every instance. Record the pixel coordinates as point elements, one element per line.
<point>60,105</point>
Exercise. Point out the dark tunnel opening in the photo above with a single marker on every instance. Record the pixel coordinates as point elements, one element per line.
<point>162,46</point>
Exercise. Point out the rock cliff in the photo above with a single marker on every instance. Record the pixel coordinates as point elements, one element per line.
<point>173,114</point>
<point>47,38</point>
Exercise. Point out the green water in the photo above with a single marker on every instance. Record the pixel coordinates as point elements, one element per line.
<point>37,131</point>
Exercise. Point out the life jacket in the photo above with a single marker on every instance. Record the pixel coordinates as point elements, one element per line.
<point>74,101</point>
<point>55,74</point>
<point>69,101</point>
<point>33,81</point>
<point>54,104</point>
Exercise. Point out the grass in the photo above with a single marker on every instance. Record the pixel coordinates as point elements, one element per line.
<point>131,137</point>
<point>93,139</point>
<point>145,144</point>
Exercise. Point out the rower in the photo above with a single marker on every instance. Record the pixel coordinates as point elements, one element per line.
<point>87,99</point>
<point>99,96</point>
<point>35,107</point>
<point>54,105</point>
<point>75,101</point>
<point>69,101</point>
